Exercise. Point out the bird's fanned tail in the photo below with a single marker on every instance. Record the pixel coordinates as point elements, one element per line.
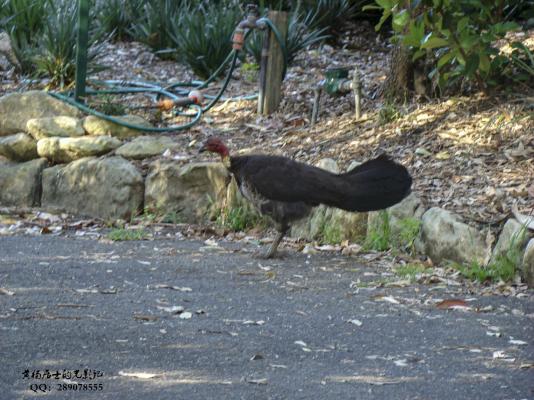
<point>373,185</point>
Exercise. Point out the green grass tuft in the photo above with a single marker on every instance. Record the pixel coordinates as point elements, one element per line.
<point>379,236</point>
<point>410,271</point>
<point>240,218</point>
<point>122,234</point>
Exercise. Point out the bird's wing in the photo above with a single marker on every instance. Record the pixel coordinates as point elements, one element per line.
<point>283,179</point>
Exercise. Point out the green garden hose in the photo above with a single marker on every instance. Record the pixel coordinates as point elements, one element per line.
<point>172,92</point>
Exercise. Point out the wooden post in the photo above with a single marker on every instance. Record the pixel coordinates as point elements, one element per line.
<point>357,90</point>
<point>272,66</point>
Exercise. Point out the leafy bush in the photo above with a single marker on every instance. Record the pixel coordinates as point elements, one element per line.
<point>329,15</point>
<point>116,18</point>
<point>24,21</point>
<point>156,21</point>
<point>459,35</point>
<point>202,35</point>
<point>299,36</point>
<point>43,35</point>
<point>55,56</point>
<point>523,59</point>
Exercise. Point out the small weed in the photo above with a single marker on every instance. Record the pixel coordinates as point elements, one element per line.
<point>331,234</point>
<point>502,268</point>
<point>250,71</point>
<point>121,234</point>
<point>410,270</point>
<point>240,218</point>
<point>379,236</point>
<point>474,272</point>
<point>388,113</point>
<point>409,229</point>
<point>106,104</point>
<point>172,217</point>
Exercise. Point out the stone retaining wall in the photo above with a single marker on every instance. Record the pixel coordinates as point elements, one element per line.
<point>52,157</point>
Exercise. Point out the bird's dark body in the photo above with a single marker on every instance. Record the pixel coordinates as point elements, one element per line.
<point>286,190</point>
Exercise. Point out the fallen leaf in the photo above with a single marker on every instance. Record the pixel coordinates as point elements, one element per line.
<point>262,381</point>
<point>452,304</point>
<point>250,322</point>
<point>140,375</point>
<point>401,363</point>
<point>84,291</point>
<point>6,292</point>
<point>145,317</point>
<point>185,315</point>
<point>172,309</point>
<point>518,342</point>
<point>166,286</point>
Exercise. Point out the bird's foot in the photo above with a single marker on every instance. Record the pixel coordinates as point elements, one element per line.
<point>269,255</point>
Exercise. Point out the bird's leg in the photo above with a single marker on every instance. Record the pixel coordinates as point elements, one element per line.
<point>274,246</point>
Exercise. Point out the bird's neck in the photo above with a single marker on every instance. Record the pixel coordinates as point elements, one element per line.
<point>225,158</point>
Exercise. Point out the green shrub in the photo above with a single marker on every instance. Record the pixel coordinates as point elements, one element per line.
<point>330,15</point>
<point>458,35</point>
<point>55,56</point>
<point>116,18</point>
<point>523,60</point>
<point>157,18</point>
<point>299,37</point>
<point>43,35</point>
<point>202,35</point>
<point>24,20</point>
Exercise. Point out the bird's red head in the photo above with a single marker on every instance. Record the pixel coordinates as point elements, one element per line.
<point>215,145</point>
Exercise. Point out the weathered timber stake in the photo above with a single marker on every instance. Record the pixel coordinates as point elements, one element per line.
<point>357,89</point>
<point>272,66</point>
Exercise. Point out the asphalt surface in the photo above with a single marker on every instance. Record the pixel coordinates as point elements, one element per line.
<point>285,329</point>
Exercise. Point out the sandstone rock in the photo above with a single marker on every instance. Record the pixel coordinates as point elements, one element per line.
<point>528,264</point>
<point>17,108</point>
<point>100,127</point>
<point>20,183</point>
<point>61,126</point>
<point>19,147</point>
<point>192,190</point>
<point>444,237</point>
<point>328,164</point>
<point>61,150</point>
<point>513,235</point>
<point>107,188</point>
<point>145,147</point>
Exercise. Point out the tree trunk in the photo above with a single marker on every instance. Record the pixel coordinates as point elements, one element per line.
<point>399,82</point>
